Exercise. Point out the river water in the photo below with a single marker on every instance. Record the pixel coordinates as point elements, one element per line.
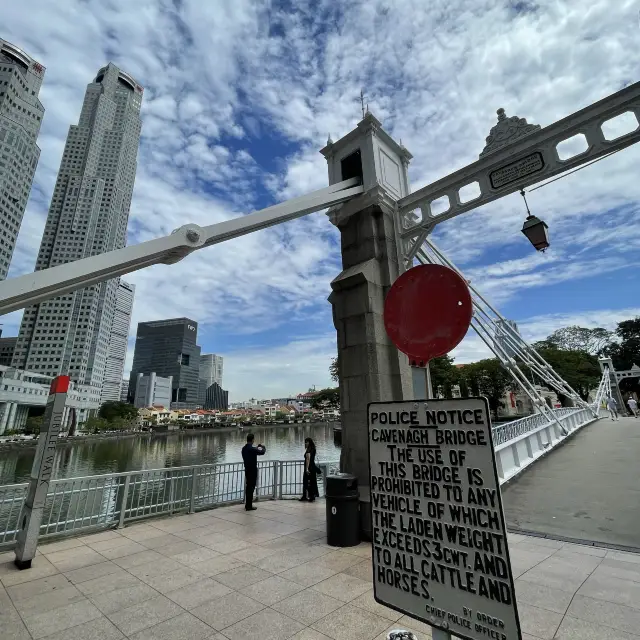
<point>144,452</point>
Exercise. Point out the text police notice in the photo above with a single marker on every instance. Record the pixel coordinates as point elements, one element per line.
<point>439,540</point>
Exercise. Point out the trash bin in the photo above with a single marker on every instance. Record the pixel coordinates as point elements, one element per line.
<point>343,510</point>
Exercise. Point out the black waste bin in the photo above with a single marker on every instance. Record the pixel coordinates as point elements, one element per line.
<point>343,510</point>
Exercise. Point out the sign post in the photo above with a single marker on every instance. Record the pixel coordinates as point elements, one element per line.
<point>440,549</point>
<point>31,516</point>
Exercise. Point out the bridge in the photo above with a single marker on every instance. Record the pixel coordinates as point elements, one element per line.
<point>553,465</point>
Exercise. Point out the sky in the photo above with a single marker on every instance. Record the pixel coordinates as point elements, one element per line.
<point>240,96</point>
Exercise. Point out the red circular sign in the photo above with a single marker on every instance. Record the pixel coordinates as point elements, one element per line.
<point>427,312</point>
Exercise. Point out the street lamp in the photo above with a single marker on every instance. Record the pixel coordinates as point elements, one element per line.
<point>535,229</point>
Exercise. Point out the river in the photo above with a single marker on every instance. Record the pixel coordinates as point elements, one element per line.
<point>130,454</point>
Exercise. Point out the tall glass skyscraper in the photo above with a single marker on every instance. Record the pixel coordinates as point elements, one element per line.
<point>88,215</point>
<point>21,115</point>
<point>118,341</point>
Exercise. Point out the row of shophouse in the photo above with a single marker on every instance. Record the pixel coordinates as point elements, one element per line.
<point>285,414</point>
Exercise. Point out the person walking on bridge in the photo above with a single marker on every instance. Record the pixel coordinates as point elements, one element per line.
<point>250,457</point>
<point>612,405</point>
<point>633,405</point>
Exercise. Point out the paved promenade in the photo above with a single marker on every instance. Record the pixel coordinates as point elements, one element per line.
<point>268,575</point>
<point>588,489</point>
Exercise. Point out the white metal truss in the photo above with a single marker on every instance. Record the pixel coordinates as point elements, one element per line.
<point>505,342</point>
<point>517,155</point>
<point>604,389</point>
<point>32,288</point>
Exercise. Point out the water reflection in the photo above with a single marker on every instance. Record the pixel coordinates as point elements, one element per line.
<point>146,452</point>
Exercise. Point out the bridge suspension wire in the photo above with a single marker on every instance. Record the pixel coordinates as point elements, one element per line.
<point>505,342</point>
<point>604,389</point>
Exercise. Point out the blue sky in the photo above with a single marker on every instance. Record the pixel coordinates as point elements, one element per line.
<point>239,97</point>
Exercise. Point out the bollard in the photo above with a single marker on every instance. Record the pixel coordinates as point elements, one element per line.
<point>32,512</point>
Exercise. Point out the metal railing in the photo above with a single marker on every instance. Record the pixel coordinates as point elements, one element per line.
<point>76,505</point>
<point>511,430</point>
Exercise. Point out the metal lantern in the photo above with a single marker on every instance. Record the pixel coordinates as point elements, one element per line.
<point>535,229</point>
<point>536,232</point>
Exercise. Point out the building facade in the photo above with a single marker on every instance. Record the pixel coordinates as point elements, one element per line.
<point>21,114</point>
<point>215,397</point>
<point>211,368</point>
<point>124,390</point>
<point>7,348</point>
<point>118,341</point>
<point>88,215</point>
<point>168,348</point>
<point>152,390</point>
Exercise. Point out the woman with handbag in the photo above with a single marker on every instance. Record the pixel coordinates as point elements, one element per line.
<point>310,477</point>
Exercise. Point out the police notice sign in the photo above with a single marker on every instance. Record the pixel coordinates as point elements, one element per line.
<point>439,540</point>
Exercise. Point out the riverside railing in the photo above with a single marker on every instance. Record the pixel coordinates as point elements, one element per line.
<point>90,503</point>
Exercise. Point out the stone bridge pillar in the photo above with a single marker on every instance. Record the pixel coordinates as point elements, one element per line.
<point>371,368</point>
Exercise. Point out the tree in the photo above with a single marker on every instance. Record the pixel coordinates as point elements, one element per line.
<point>95,424</point>
<point>326,398</point>
<point>33,425</point>
<point>574,338</point>
<point>626,352</point>
<point>112,410</point>
<point>334,371</point>
<point>490,379</point>
<point>579,369</point>
<point>444,375</point>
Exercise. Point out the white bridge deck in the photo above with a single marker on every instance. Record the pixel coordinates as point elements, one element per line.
<point>268,575</point>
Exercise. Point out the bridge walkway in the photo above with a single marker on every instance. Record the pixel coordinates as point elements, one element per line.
<point>586,490</point>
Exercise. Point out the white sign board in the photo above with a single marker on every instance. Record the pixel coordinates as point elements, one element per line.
<point>439,539</point>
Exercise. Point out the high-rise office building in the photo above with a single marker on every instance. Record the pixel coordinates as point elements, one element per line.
<point>117,351</point>
<point>21,115</point>
<point>124,390</point>
<point>211,368</point>
<point>168,348</point>
<point>88,215</point>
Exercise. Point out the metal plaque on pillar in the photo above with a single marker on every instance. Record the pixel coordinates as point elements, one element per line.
<point>31,517</point>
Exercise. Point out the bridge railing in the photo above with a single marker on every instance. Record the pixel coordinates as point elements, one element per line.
<point>92,503</point>
<point>520,443</point>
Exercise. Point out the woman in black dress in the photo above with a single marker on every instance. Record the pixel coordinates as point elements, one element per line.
<point>309,479</point>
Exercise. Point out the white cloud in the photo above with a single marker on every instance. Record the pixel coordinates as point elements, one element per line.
<point>220,77</point>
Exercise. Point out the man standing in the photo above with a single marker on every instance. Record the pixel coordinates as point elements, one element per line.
<point>250,456</point>
<point>633,405</point>
<point>612,405</point>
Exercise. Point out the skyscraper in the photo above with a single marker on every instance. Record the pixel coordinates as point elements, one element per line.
<point>88,215</point>
<point>211,368</point>
<point>117,351</point>
<point>168,348</point>
<point>210,372</point>
<point>21,115</point>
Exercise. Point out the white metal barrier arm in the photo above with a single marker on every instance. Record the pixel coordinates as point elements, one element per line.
<point>517,165</point>
<point>32,288</point>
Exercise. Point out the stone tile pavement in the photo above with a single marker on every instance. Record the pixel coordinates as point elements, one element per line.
<point>268,575</point>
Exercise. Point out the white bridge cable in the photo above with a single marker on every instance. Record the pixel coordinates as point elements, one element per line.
<point>488,328</point>
<point>501,327</point>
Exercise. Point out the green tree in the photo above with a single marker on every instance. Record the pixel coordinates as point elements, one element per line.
<point>488,378</point>
<point>95,424</point>
<point>112,409</point>
<point>326,398</point>
<point>626,351</point>
<point>334,370</point>
<point>444,375</point>
<point>33,425</point>
<point>574,338</point>
<point>579,369</point>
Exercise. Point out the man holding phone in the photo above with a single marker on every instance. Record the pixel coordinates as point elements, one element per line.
<point>250,457</point>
